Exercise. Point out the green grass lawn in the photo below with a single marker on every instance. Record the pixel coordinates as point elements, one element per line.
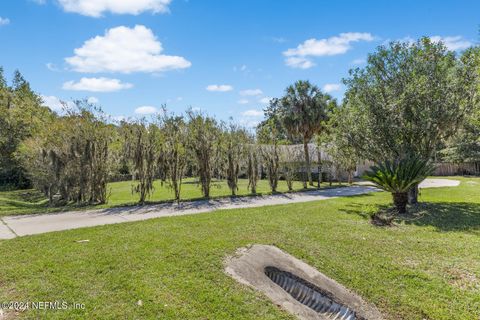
<point>32,201</point>
<point>422,268</point>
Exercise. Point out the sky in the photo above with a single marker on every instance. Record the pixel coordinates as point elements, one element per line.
<point>225,58</point>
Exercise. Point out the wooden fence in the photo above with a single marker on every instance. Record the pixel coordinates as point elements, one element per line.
<point>454,169</point>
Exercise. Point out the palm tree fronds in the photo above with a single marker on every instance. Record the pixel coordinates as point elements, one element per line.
<point>400,175</point>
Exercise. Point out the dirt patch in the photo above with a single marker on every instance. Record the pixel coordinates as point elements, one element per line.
<point>462,279</point>
<point>8,314</point>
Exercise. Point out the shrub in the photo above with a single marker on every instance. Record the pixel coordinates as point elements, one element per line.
<point>398,177</point>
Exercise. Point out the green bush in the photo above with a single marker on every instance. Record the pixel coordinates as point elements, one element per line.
<point>398,177</point>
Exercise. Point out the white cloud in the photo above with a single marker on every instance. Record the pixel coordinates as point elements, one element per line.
<point>124,50</point>
<point>453,43</point>
<point>242,68</point>
<point>52,67</point>
<point>243,101</point>
<point>119,118</point>
<point>251,92</point>
<point>331,87</point>
<point>299,62</point>
<point>219,87</point>
<point>93,100</point>
<point>96,85</point>
<point>279,39</point>
<point>328,47</point>
<point>359,61</point>
<point>265,100</point>
<point>55,104</point>
<point>95,8</point>
<point>249,123</point>
<point>4,21</point>
<point>299,57</point>
<point>252,113</point>
<point>409,40</point>
<point>145,110</point>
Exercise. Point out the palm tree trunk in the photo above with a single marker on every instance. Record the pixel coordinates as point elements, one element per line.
<point>307,162</point>
<point>413,195</point>
<point>400,199</point>
<point>319,160</point>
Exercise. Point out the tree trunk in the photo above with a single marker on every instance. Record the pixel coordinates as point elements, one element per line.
<point>290,184</point>
<point>304,181</point>
<point>319,179</point>
<point>400,200</point>
<point>50,195</point>
<point>413,195</point>
<point>176,190</point>
<point>319,159</point>
<point>307,162</point>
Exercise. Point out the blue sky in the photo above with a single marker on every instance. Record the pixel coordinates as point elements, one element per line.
<point>223,57</point>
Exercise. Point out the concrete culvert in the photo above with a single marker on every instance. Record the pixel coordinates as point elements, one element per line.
<point>296,286</point>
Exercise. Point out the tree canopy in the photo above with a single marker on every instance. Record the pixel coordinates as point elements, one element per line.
<point>408,100</point>
<point>22,115</point>
<point>464,145</point>
<point>303,111</point>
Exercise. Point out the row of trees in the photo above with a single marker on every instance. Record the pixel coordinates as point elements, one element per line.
<point>72,157</point>
<point>69,157</point>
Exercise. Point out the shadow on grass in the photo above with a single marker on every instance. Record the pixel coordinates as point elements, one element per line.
<point>443,216</point>
<point>219,202</point>
<point>27,195</point>
<point>22,204</point>
<point>447,216</point>
<point>239,201</point>
<point>361,209</point>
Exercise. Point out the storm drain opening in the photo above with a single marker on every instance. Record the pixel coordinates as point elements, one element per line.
<point>296,286</point>
<point>310,295</point>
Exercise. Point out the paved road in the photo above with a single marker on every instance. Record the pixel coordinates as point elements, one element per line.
<point>13,226</point>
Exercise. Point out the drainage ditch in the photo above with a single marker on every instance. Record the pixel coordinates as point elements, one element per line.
<point>310,295</point>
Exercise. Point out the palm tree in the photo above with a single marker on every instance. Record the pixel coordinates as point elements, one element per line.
<point>303,110</point>
<point>398,177</point>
